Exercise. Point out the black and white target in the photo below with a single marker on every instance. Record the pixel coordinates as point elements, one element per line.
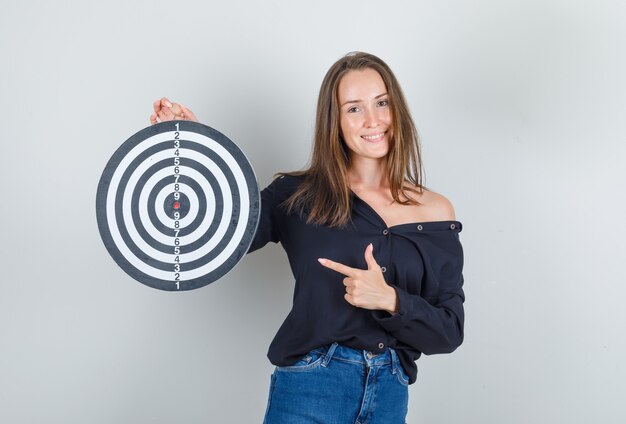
<point>177,205</point>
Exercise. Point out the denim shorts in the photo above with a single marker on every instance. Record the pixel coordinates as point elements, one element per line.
<point>339,385</point>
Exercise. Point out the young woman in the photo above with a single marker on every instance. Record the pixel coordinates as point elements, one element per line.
<point>375,255</point>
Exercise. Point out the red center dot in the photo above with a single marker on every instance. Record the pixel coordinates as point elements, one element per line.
<point>176,205</point>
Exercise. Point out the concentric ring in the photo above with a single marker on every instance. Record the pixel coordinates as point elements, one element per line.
<point>151,235</point>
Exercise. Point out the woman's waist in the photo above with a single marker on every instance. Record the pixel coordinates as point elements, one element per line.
<point>358,356</point>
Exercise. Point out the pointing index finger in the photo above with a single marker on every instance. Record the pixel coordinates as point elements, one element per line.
<point>336,266</point>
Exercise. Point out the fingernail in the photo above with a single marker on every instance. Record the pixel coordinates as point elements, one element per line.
<point>168,104</point>
<point>322,261</point>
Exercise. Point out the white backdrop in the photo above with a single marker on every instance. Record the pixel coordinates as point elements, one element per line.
<point>521,108</point>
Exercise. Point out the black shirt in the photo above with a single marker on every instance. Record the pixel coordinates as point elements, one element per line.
<point>422,261</point>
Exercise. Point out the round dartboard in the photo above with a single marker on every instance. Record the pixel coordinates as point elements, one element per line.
<point>177,205</point>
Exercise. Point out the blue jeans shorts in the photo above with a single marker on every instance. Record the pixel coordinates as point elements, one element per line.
<point>339,385</point>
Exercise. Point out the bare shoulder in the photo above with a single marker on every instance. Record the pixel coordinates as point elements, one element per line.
<point>438,207</point>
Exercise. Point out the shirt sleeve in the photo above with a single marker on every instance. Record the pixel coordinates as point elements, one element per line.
<point>267,230</point>
<point>432,325</point>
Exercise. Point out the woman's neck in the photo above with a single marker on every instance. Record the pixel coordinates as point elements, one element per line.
<point>368,174</point>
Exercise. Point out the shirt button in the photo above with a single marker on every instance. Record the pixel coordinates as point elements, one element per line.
<point>381,345</point>
<point>385,231</point>
<point>452,226</point>
<point>419,227</point>
<point>383,269</point>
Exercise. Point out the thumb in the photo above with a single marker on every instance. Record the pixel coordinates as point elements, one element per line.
<point>369,257</point>
<point>176,109</point>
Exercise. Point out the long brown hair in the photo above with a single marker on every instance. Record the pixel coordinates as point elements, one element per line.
<point>325,192</point>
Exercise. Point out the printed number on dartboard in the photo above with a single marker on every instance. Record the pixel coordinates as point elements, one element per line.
<point>176,263</point>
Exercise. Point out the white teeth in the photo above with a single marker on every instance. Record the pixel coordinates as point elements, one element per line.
<point>373,137</point>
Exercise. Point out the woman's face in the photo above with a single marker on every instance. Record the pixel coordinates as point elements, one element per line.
<point>365,115</point>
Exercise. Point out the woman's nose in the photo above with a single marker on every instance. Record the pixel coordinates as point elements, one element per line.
<point>371,120</point>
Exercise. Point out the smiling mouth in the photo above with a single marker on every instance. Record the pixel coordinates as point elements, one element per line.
<point>374,137</point>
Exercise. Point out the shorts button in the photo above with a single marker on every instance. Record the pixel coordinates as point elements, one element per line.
<point>383,269</point>
<point>381,345</point>
<point>452,226</point>
<point>420,228</point>
<point>385,231</point>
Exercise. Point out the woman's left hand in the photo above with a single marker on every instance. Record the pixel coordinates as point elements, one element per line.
<point>366,288</point>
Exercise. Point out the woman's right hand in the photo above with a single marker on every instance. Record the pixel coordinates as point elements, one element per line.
<point>164,110</point>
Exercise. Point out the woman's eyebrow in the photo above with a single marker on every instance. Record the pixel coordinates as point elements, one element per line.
<point>358,101</point>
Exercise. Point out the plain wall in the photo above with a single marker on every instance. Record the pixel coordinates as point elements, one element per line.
<point>521,109</point>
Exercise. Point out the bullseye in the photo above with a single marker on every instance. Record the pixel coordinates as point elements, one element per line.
<point>176,202</point>
<point>177,205</point>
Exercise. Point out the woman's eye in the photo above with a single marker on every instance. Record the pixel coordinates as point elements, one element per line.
<point>383,103</point>
<point>353,109</point>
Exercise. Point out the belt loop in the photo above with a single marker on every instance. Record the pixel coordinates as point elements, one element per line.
<point>394,360</point>
<point>329,354</point>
